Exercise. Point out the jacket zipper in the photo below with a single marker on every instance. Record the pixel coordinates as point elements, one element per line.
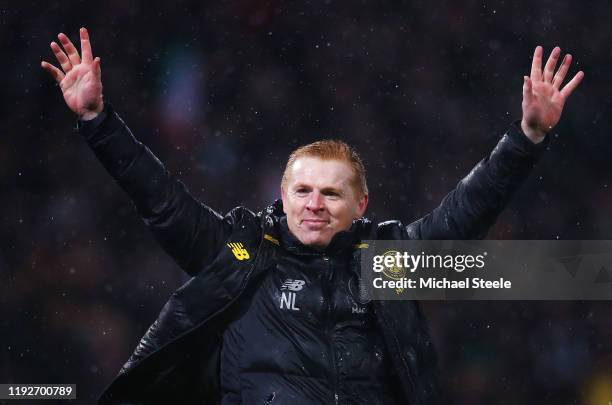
<point>328,284</point>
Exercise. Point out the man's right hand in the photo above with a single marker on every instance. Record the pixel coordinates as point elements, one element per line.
<point>79,79</point>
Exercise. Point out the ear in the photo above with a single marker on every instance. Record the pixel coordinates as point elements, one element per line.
<point>361,207</point>
<point>284,198</point>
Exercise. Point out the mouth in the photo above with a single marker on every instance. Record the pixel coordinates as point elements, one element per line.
<point>314,223</point>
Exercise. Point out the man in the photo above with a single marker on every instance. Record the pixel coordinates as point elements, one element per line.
<point>272,313</point>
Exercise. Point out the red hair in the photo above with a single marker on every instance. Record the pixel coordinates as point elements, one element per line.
<point>331,150</point>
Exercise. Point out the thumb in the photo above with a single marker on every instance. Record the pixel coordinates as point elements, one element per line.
<point>96,67</point>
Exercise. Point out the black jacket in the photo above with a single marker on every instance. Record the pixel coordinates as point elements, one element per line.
<point>178,359</point>
<point>307,335</point>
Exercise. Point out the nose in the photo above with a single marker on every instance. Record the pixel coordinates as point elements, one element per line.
<point>315,202</point>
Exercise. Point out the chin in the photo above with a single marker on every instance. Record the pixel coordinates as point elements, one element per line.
<point>317,241</point>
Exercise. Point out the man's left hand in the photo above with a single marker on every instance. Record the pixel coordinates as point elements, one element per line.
<point>543,97</point>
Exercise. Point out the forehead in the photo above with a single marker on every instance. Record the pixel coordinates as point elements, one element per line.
<point>320,173</point>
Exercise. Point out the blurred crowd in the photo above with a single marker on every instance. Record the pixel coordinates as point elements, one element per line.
<point>223,91</point>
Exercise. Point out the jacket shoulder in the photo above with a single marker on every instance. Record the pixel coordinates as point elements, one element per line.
<point>243,217</point>
<point>391,230</point>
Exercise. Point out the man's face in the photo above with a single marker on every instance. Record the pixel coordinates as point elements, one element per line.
<point>320,201</point>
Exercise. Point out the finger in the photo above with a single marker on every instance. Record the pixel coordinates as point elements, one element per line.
<point>560,75</point>
<point>96,67</point>
<point>71,51</point>
<point>571,86</point>
<point>57,74</point>
<point>527,93</point>
<point>85,46</point>
<point>536,64</point>
<point>551,64</point>
<point>61,57</point>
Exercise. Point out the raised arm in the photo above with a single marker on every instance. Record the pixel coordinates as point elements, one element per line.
<point>189,231</point>
<point>471,208</point>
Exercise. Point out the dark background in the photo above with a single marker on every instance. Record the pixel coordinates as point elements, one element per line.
<point>223,91</point>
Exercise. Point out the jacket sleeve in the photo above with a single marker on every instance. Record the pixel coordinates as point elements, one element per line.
<point>188,230</point>
<point>471,208</point>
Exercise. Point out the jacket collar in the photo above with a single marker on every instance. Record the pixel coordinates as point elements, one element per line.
<point>342,241</point>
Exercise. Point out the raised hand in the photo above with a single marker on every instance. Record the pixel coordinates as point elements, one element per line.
<point>543,97</point>
<point>79,79</point>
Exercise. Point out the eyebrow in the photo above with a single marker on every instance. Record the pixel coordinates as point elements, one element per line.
<point>323,190</point>
<point>331,189</point>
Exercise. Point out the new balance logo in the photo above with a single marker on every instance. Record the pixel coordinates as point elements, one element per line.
<point>293,285</point>
<point>239,251</point>
<point>288,298</point>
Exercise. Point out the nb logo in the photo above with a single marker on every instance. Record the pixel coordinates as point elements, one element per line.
<point>239,251</point>
<point>287,299</point>
<point>293,285</point>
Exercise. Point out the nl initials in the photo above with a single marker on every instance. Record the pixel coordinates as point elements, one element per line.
<point>288,301</point>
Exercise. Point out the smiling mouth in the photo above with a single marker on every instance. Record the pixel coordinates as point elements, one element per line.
<point>315,222</point>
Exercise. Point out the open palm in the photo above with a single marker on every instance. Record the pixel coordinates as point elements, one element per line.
<point>543,97</point>
<point>79,79</point>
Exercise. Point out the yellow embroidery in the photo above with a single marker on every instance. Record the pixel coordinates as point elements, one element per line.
<point>239,251</point>
<point>362,246</point>
<point>271,239</point>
